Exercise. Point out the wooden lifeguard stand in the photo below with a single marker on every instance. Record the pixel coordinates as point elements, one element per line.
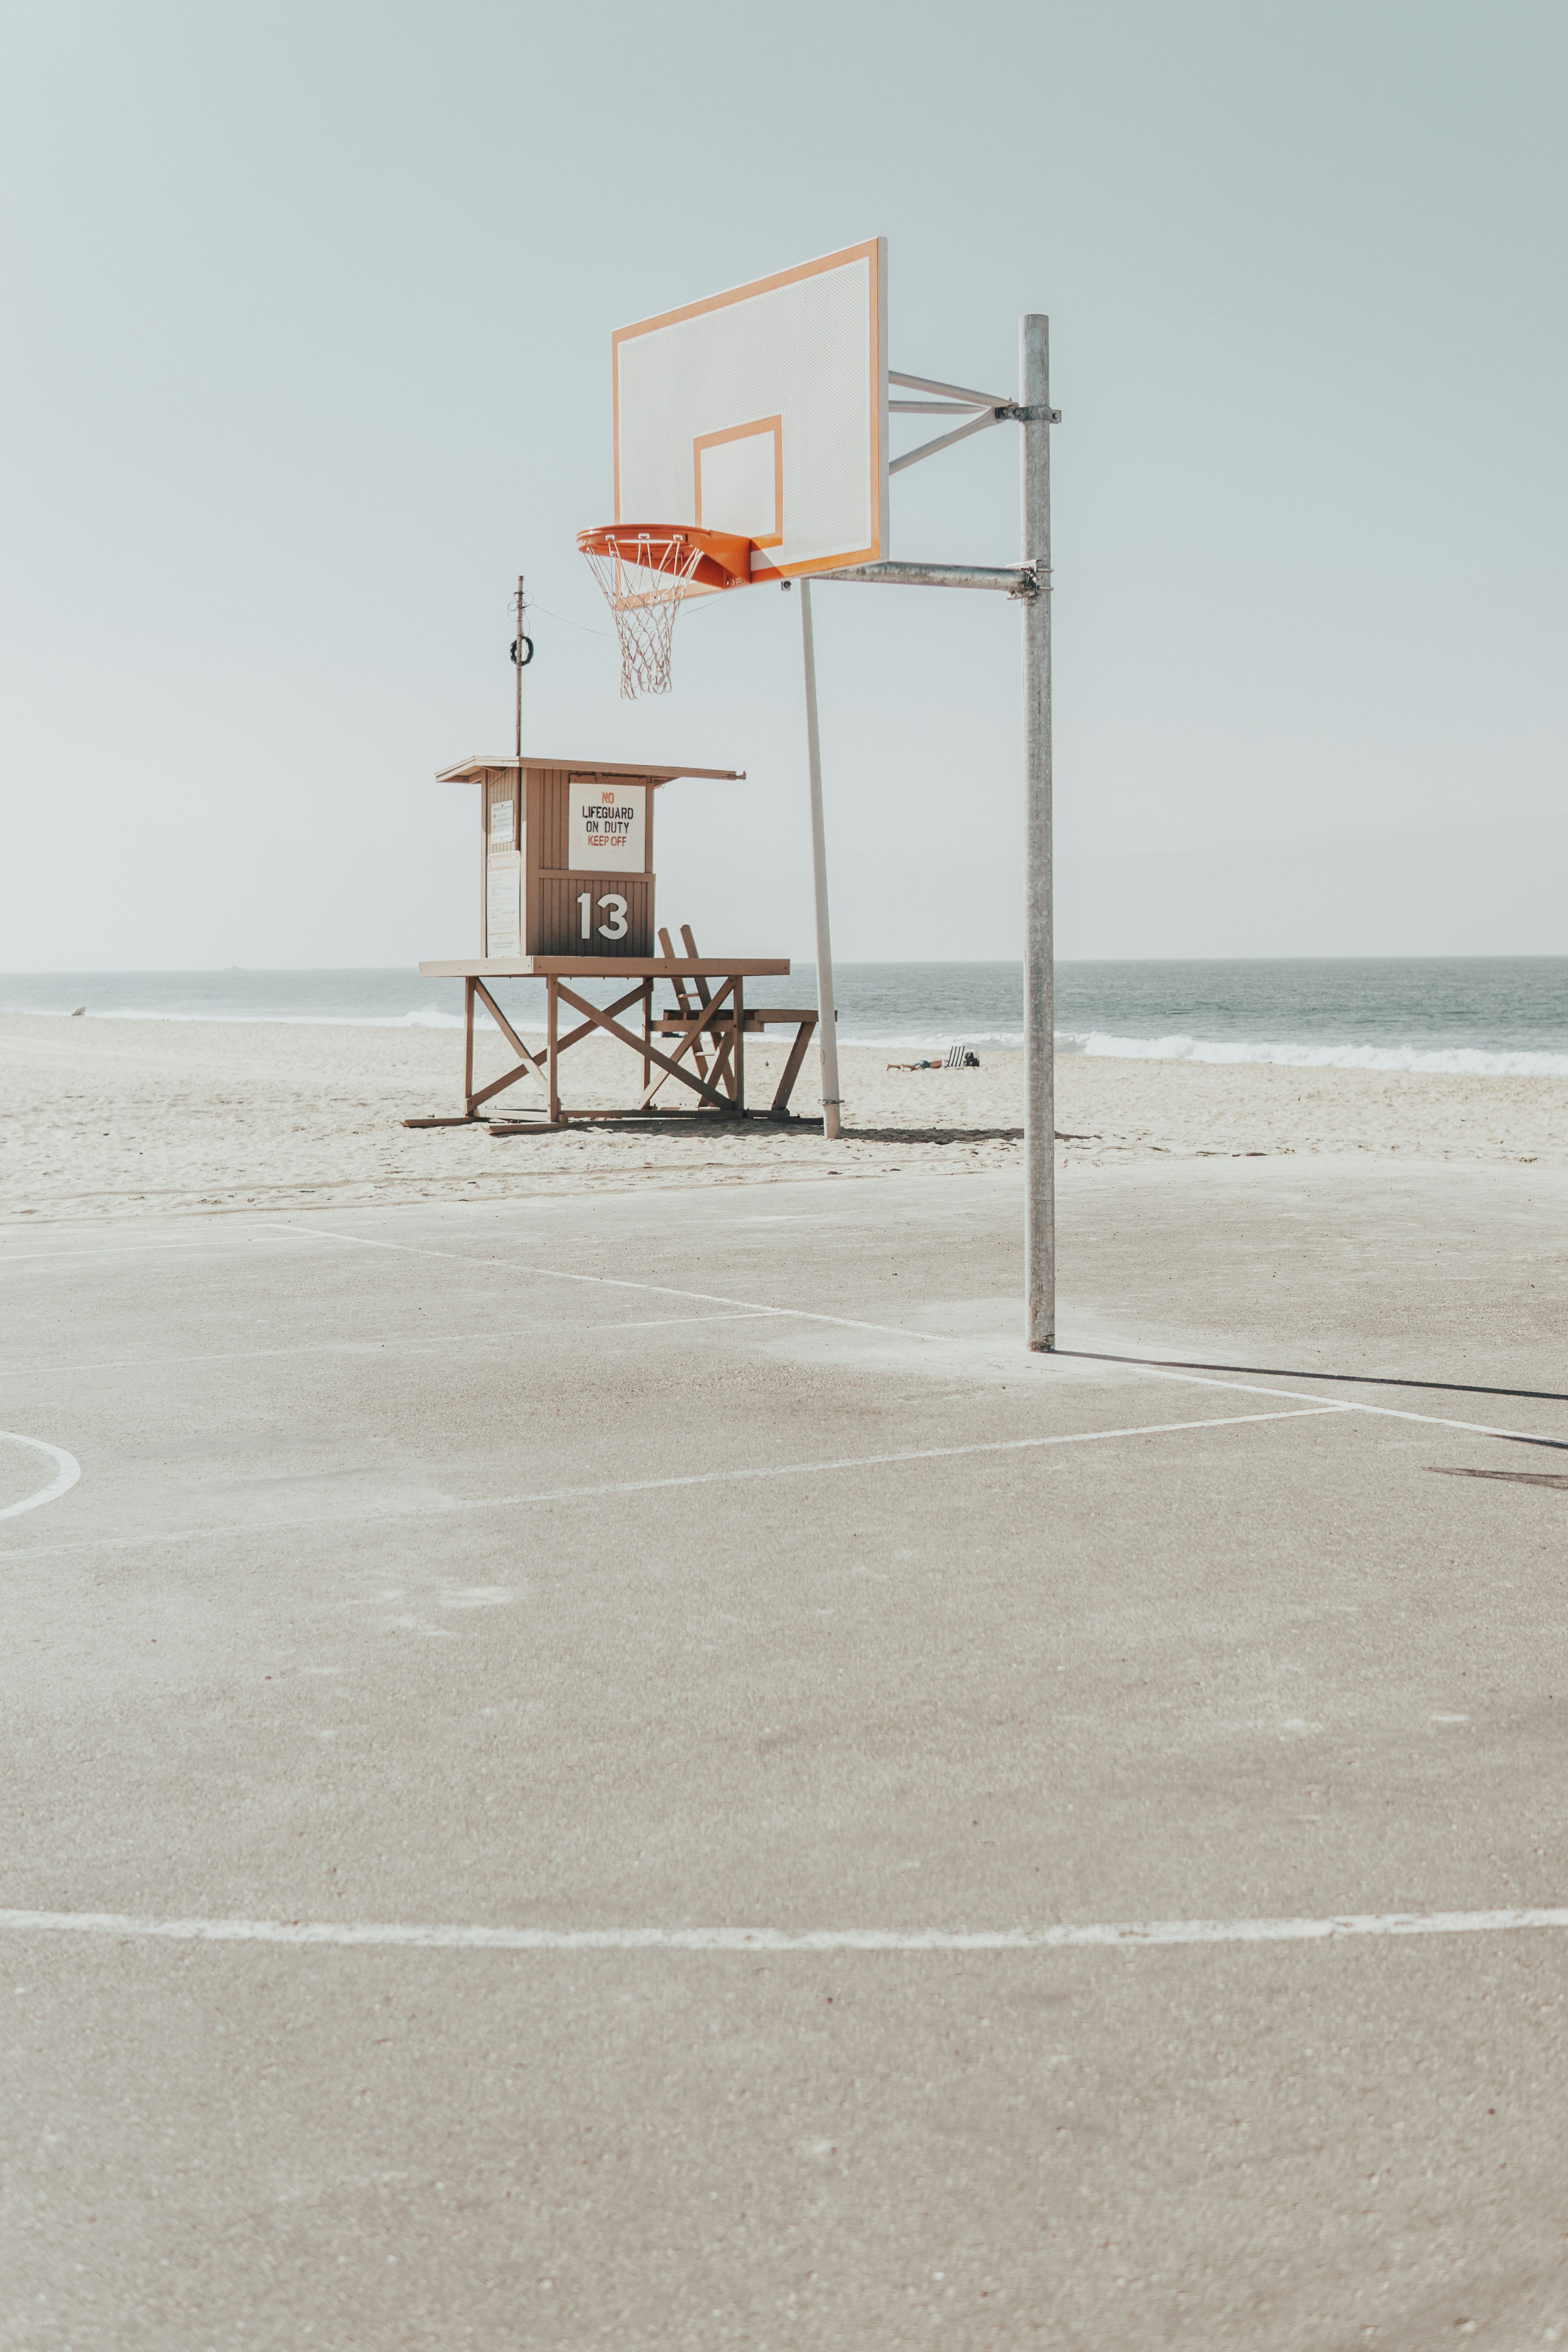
<point>566,893</point>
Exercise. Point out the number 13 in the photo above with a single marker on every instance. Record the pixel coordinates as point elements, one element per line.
<point>615,928</point>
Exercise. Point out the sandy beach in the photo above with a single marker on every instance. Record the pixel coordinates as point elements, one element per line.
<point>114,1119</point>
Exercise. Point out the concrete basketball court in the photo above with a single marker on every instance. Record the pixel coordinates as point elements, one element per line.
<point>548,1745</point>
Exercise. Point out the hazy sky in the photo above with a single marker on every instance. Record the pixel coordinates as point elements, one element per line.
<point>308,313</point>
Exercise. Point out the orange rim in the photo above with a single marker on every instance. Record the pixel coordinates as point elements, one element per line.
<point>724,560</point>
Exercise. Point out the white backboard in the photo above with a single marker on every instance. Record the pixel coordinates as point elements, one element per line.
<point>764,411</point>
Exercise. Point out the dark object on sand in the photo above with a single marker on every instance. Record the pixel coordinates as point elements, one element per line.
<point>958,1058</point>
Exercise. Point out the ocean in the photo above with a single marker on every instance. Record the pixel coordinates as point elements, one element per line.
<point>1487,1014</point>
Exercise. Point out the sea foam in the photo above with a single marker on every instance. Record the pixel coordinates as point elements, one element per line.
<point>1458,1061</point>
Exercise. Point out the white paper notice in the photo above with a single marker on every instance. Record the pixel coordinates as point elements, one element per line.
<point>607,825</point>
<point>501,824</point>
<point>504,903</point>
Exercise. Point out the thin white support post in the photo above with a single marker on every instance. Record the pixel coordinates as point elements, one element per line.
<point>1039,975</point>
<point>827,1029</point>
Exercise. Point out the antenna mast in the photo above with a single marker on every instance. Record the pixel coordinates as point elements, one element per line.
<point>522,655</point>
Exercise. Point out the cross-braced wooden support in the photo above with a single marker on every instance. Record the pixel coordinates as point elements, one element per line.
<point>530,1066</point>
<point>703,1034</point>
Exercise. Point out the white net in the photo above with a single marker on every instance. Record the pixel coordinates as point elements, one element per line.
<point>644,575</point>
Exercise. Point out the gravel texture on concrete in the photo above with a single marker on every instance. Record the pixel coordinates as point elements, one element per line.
<point>715,1556</point>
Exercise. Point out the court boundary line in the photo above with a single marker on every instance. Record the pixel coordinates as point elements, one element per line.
<point>625,1282</point>
<point>66,1477</point>
<point>749,1307</point>
<point>941,1339</point>
<point>744,1314</point>
<point>1363,1380</point>
<point>1130,1934</point>
<point>1356,1404</point>
<point>456,1503</point>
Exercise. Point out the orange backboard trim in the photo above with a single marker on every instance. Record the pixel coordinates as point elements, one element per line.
<point>754,430</point>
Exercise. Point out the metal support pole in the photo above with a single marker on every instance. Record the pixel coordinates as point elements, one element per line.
<point>1017,579</point>
<point>827,1028</point>
<point>1039,976</point>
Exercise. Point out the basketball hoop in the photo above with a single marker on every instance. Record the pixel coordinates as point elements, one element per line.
<point>646,571</point>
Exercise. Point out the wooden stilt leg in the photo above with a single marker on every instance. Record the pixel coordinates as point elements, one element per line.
<point>469,1046</point>
<point>647,1033</point>
<point>551,1013</point>
<point>792,1069</point>
<point>738,1001</point>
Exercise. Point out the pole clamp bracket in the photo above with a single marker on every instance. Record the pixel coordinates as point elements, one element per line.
<point>1029,416</point>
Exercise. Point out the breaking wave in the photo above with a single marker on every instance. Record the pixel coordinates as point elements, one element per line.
<point>1464,1061</point>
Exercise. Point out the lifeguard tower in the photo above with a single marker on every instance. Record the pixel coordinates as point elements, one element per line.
<point>566,893</point>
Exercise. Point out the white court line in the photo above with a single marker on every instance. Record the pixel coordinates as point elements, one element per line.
<point>69,1473</point>
<point>1351,1404</point>
<point>1339,1929</point>
<point>619,1282</point>
<point>936,1338</point>
<point>456,1503</point>
<point>749,1307</point>
<point>676,1322</point>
